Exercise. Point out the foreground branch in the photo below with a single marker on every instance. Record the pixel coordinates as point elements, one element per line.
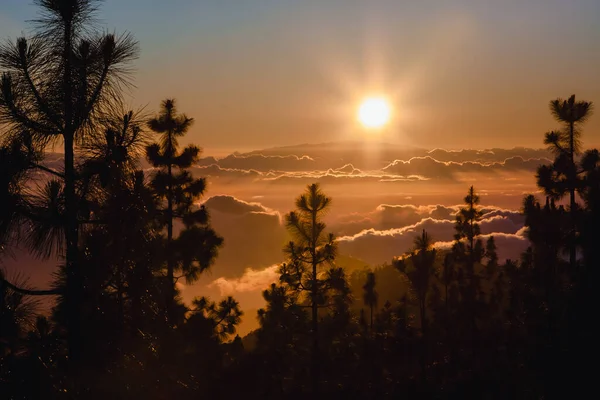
<point>30,292</point>
<point>48,170</point>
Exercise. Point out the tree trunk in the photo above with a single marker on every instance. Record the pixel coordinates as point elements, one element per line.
<point>74,289</point>
<point>472,295</point>
<point>315,323</point>
<point>423,339</point>
<point>120,300</point>
<point>74,284</point>
<point>170,268</point>
<point>572,247</point>
<point>446,298</point>
<point>422,307</point>
<point>135,295</point>
<point>119,263</point>
<point>315,329</point>
<point>371,326</point>
<point>447,316</point>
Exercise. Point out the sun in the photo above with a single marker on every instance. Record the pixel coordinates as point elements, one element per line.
<point>374,112</point>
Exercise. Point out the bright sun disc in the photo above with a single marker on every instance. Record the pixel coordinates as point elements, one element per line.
<point>374,112</point>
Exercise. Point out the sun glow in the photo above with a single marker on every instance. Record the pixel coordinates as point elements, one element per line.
<point>374,112</point>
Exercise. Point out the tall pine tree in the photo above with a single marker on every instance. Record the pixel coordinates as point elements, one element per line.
<point>195,248</point>
<point>310,250</point>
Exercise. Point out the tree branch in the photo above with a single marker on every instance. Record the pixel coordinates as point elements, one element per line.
<point>95,95</point>
<point>43,106</point>
<point>49,170</point>
<point>28,123</point>
<point>30,292</point>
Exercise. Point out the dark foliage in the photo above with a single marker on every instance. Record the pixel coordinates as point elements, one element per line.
<point>176,190</point>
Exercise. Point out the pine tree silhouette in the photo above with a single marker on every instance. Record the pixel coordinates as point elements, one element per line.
<point>420,271</point>
<point>310,250</point>
<point>57,85</point>
<point>491,255</point>
<point>370,297</point>
<point>562,177</point>
<point>196,247</point>
<point>468,250</point>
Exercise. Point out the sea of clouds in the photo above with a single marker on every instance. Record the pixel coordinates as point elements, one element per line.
<point>382,198</point>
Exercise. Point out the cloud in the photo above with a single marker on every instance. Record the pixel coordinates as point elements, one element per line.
<point>338,162</point>
<point>389,216</point>
<point>515,216</point>
<point>347,169</point>
<point>251,280</point>
<point>345,174</point>
<point>253,234</point>
<point>487,155</point>
<point>216,171</point>
<point>261,162</point>
<point>333,177</point>
<point>433,168</point>
<point>443,212</point>
<point>499,224</point>
<point>509,245</point>
<point>378,246</point>
<point>354,152</point>
<point>231,205</point>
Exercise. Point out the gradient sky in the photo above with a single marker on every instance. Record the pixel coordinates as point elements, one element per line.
<point>261,73</point>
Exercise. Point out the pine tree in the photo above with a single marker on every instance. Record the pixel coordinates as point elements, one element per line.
<point>491,255</point>
<point>468,250</point>
<point>419,267</point>
<point>446,276</point>
<point>590,165</point>
<point>467,244</point>
<point>58,86</point>
<point>370,296</point>
<point>562,177</point>
<point>311,249</point>
<point>196,247</point>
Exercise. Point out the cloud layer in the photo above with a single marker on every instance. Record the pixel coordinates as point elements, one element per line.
<point>251,280</point>
<point>253,233</point>
<point>375,237</point>
<point>351,163</point>
<point>383,196</point>
<point>380,246</point>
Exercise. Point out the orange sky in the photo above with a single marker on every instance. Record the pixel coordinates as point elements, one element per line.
<point>468,73</point>
<point>458,77</point>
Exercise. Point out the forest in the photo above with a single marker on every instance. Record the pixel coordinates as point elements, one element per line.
<point>433,322</point>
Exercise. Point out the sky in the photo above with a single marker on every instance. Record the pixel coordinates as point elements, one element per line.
<point>263,73</point>
<point>274,87</point>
